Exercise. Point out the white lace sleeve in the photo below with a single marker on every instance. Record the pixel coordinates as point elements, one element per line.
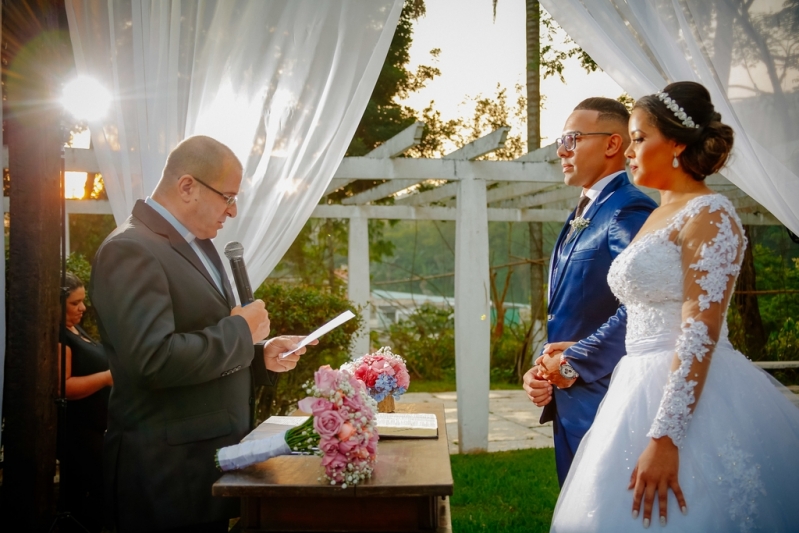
<point>712,243</point>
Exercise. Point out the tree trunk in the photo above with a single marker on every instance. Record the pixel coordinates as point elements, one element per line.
<point>533,20</point>
<point>34,53</point>
<point>753,331</point>
<point>533,75</point>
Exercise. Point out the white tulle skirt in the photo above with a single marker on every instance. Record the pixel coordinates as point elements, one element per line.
<point>739,463</point>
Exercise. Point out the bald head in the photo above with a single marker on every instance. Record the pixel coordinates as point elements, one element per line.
<point>199,156</point>
<point>200,177</point>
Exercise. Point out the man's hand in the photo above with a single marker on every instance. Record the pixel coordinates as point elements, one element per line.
<point>274,347</point>
<point>557,347</point>
<point>257,319</point>
<point>537,388</point>
<point>550,369</point>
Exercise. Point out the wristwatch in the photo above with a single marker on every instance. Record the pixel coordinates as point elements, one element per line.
<point>566,370</point>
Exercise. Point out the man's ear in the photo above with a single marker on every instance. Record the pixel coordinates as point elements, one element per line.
<point>615,144</point>
<point>187,187</point>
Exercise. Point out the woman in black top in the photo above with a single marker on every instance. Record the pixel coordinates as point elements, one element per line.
<point>88,384</point>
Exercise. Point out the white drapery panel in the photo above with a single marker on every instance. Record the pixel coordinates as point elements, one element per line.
<point>283,83</point>
<point>747,55</point>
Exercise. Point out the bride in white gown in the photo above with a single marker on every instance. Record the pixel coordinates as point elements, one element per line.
<point>691,434</point>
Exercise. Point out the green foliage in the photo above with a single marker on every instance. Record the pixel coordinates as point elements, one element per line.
<point>426,339</point>
<point>298,310</point>
<point>505,491</point>
<point>384,117</point>
<point>775,273</point>
<point>78,265</point>
<point>87,233</point>
<point>783,345</point>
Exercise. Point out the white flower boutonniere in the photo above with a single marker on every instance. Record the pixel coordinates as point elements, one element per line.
<point>579,224</point>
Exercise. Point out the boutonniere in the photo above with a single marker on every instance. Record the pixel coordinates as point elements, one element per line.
<point>579,224</point>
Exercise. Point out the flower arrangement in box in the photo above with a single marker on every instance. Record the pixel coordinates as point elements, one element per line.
<point>384,373</point>
<point>342,429</point>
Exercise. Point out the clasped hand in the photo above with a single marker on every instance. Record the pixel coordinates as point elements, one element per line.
<point>538,381</point>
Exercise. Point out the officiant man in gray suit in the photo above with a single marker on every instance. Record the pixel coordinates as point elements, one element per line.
<point>183,355</point>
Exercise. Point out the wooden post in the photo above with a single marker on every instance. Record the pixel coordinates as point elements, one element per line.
<point>33,47</point>
<point>358,288</point>
<point>472,315</point>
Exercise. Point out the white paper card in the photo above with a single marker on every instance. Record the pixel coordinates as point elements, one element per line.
<point>333,324</point>
<point>407,420</point>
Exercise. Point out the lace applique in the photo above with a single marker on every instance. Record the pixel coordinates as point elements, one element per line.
<point>719,262</point>
<point>674,412</point>
<point>743,484</point>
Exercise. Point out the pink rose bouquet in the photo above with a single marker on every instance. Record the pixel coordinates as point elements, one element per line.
<point>342,430</point>
<point>344,419</point>
<point>384,373</point>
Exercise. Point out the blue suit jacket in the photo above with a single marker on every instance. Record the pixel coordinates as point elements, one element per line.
<point>581,306</point>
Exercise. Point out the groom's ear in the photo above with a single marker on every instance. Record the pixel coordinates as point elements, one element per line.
<point>615,145</point>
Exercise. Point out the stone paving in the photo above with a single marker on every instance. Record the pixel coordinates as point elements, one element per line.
<point>512,419</point>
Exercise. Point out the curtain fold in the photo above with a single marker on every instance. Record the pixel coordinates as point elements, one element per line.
<point>745,53</point>
<point>283,83</point>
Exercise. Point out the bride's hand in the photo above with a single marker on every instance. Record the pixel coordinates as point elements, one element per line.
<point>656,471</point>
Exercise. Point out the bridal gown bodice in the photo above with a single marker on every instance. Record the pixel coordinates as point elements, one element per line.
<point>648,278</point>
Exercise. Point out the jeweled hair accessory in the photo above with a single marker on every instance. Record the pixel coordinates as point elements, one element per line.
<point>678,111</point>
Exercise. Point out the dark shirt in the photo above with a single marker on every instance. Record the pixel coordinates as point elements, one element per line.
<point>88,357</point>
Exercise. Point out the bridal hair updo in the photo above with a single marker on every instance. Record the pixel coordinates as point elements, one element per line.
<point>708,143</point>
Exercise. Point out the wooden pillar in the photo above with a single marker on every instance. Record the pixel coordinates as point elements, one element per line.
<point>472,315</point>
<point>34,49</point>
<point>358,288</point>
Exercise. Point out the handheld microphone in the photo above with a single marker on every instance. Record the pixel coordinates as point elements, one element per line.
<point>234,251</point>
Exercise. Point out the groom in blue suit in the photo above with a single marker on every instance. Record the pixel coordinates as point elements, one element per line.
<point>586,324</point>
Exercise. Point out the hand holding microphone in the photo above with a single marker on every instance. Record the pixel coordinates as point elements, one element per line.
<point>253,311</point>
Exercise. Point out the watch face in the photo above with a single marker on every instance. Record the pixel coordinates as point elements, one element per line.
<point>567,371</point>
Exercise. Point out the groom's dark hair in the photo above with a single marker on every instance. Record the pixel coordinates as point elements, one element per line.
<point>607,108</point>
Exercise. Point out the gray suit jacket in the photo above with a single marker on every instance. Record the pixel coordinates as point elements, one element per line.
<point>183,372</point>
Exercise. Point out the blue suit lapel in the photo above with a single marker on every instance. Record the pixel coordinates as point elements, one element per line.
<point>563,249</point>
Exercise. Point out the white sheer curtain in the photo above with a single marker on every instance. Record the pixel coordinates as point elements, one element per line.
<point>745,52</point>
<point>282,82</point>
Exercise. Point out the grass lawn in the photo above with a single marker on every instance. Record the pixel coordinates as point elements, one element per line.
<point>449,386</point>
<point>504,491</point>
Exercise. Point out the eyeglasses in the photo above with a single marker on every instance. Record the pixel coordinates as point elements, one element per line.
<point>229,200</point>
<point>569,141</point>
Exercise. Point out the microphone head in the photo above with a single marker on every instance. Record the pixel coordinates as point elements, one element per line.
<point>234,250</point>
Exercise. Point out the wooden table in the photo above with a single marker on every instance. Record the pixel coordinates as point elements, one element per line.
<point>407,491</point>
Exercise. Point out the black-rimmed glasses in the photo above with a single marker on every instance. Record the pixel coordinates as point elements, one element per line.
<point>569,141</point>
<point>229,200</point>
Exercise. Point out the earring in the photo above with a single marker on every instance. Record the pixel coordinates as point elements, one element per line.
<point>675,162</point>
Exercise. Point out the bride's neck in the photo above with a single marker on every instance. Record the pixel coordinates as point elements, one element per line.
<point>683,192</point>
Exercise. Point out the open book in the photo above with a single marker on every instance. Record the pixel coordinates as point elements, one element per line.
<point>389,426</point>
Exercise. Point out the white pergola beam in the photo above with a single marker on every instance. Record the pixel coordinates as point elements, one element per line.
<point>486,144</point>
<point>482,146</point>
<point>395,146</point>
<point>566,193</point>
<point>406,212</point>
<point>400,143</point>
<point>514,190</point>
<point>381,191</point>
<point>545,154</point>
<point>444,192</point>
